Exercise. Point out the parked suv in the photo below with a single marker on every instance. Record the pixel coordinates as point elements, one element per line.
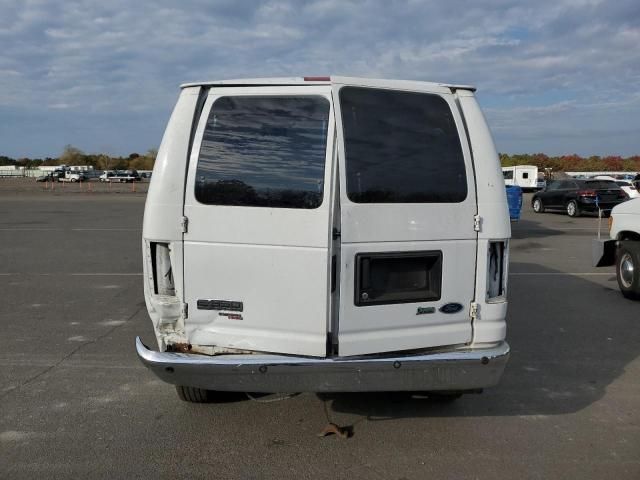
<point>578,196</point>
<point>326,234</point>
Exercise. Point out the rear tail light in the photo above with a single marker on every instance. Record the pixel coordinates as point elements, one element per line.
<point>496,270</point>
<point>162,271</point>
<point>587,193</point>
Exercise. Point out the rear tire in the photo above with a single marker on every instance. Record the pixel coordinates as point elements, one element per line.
<point>628,269</point>
<point>195,394</point>
<point>573,210</point>
<point>538,207</point>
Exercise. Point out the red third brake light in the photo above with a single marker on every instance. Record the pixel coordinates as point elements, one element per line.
<point>317,79</point>
<point>587,193</point>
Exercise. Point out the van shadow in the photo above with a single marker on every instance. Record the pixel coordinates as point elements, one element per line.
<point>570,338</point>
<point>523,229</point>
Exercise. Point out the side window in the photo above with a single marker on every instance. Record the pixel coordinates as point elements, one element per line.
<point>264,151</point>
<point>401,147</point>
<point>553,185</point>
<point>525,175</point>
<point>507,174</point>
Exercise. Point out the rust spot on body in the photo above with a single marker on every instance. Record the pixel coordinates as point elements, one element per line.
<point>179,347</point>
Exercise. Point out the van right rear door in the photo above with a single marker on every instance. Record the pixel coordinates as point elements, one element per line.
<point>407,205</point>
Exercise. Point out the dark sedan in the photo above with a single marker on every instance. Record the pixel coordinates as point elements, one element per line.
<point>578,196</point>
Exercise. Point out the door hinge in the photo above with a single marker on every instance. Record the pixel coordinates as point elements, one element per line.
<point>185,310</point>
<point>474,311</point>
<point>477,221</point>
<point>184,224</point>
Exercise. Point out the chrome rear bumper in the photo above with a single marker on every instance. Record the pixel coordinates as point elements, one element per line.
<point>463,369</point>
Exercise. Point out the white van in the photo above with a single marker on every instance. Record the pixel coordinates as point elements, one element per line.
<point>326,234</point>
<point>524,176</point>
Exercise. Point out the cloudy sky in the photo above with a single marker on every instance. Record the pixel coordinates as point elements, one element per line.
<point>558,76</point>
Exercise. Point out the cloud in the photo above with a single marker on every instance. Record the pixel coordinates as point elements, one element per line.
<point>126,59</point>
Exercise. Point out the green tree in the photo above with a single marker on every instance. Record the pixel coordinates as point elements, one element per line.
<point>72,156</point>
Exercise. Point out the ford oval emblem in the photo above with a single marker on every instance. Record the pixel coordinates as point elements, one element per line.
<point>451,308</point>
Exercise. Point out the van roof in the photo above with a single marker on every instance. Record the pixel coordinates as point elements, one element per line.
<point>326,80</point>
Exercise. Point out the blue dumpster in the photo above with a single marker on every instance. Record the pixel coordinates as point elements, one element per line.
<point>514,200</point>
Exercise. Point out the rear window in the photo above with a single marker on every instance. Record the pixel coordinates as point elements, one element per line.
<point>264,152</point>
<point>401,147</point>
<point>600,184</point>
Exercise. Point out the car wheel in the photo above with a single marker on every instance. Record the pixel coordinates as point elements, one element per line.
<point>628,269</point>
<point>195,394</point>
<point>73,180</point>
<point>572,209</point>
<point>538,207</point>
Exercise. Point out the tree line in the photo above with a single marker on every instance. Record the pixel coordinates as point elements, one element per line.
<point>573,163</point>
<point>74,156</point>
<point>564,163</point>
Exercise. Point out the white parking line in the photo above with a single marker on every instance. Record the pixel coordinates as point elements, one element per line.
<point>70,229</point>
<point>106,229</point>
<point>75,274</point>
<point>105,274</point>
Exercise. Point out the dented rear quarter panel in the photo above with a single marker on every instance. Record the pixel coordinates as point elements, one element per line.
<point>163,213</point>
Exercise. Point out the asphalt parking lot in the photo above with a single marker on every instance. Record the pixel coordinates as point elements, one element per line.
<point>75,402</point>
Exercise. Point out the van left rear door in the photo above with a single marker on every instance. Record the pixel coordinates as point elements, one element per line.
<point>258,203</point>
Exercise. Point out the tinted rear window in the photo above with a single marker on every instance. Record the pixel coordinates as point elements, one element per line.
<point>600,184</point>
<point>401,147</point>
<point>264,152</point>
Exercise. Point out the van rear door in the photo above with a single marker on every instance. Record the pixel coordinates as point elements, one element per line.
<point>407,202</point>
<point>258,203</point>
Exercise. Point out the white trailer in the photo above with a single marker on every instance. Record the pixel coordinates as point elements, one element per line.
<point>524,176</point>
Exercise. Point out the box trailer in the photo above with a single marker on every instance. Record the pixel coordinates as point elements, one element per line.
<point>524,176</point>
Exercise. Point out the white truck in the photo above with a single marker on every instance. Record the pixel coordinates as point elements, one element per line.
<point>623,247</point>
<point>72,176</point>
<point>126,176</point>
<point>326,234</point>
<point>524,176</point>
